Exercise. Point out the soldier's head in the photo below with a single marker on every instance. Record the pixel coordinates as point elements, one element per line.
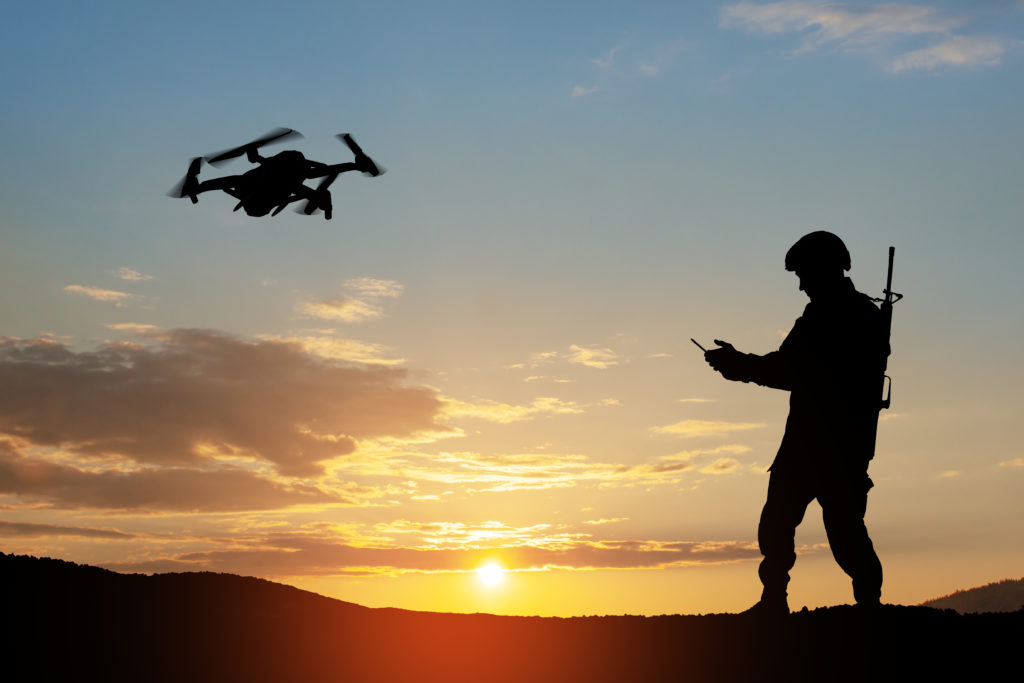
<point>820,260</point>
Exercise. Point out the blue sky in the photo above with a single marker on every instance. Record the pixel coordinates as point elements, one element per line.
<point>573,191</point>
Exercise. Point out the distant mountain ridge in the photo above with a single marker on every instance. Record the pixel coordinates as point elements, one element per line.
<point>82,623</point>
<point>999,596</point>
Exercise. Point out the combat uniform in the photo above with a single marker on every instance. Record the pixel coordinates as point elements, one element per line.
<point>830,363</point>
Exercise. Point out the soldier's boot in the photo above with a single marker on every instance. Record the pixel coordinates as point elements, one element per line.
<point>771,605</point>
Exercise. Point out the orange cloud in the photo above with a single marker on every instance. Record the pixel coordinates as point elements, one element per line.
<point>346,310</point>
<point>307,554</point>
<point>97,294</point>
<point>150,489</point>
<point>692,428</point>
<point>158,403</point>
<point>503,413</point>
<point>27,530</point>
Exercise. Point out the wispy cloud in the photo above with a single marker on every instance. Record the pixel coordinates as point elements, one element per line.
<point>337,348</point>
<point>504,413</point>
<point>693,428</point>
<point>607,60</point>
<point>878,30</point>
<point>1016,462</point>
<point>131,275</point>
<point>460,548</point>
<point>581,90</point>
<point>97,294</point>
<point>957,51</point>
<point>360,307</point>
<point>648,69</point>
<point>483,473</point>
<point>372,287</point>
<point>721,466</point>
<point>134,328</point>
<point>587,356</point>
<point>346,310</point>
<point>27,530</point>
<point>592,357</point>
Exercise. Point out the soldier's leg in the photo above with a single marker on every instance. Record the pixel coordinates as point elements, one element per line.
<point>788,497</point>
<point>843,506</point>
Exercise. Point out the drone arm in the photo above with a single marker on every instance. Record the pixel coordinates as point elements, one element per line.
<point>335,169</point>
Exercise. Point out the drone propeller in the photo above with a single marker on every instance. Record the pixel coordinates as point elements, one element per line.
<point>188,184</point>
<point>367,165</point>
<point>276,135</point>
<point>321,198</point>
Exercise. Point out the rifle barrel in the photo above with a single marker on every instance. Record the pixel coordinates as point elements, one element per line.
<point>888,277</point>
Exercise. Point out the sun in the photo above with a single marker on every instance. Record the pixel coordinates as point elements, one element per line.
<point>491,573</point>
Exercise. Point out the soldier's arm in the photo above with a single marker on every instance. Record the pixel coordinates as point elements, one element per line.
<point>778,369</point>
<point>770,370</point>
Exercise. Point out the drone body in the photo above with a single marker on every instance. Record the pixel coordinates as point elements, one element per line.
<point>276,181</point>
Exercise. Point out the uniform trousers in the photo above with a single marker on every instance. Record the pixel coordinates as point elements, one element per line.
<point>843,496</point>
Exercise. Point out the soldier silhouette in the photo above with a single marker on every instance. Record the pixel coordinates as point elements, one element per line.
<point>830,363</point>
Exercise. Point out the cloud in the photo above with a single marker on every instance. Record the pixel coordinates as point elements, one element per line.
<point>949,474</point>
<point>693,428</point>
<point>957,51</point>
<point>504,413</point>
<point>648,70</point>
<point>354,309</point>
<point>153,489</point>
<point>27,530</point>
<point>721,466</point>
<point>1016,462</point>
<point>108,295</point>
<point>598,522</point>
<point>372,287</point>
<point>131,275</point>
<point>134,328</point>
<point>696,400</point>
<point>477,472</point>
<point>162,402</point>
<point>336,348</point>
<point>581,90</point>
<point>607,60</point>
<point>300,554</point>
<point>346,310</point>
<point>592,358</point>
<point>870,29</point>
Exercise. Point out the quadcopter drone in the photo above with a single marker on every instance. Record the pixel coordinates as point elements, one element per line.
<point>277,181</point>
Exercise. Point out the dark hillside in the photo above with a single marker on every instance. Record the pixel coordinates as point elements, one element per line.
<point>86,624</point>
<point>1001,596</point>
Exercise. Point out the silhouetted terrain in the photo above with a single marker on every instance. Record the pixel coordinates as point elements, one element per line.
<point>81,623</point>
<point>1001,596</point>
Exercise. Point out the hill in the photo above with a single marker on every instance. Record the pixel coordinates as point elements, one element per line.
<point>1001,596</point>
<point>82,623</point>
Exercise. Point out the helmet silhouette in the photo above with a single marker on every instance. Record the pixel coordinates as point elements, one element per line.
<point>820,250</point>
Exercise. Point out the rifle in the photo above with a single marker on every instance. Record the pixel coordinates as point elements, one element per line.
<point>889,297</point>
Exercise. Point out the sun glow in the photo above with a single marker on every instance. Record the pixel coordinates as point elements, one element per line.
<point>491,573</point>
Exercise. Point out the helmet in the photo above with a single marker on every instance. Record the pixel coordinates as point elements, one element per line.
<point>818,250</point>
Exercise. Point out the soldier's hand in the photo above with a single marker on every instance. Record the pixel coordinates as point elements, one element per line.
<point>726,360</point>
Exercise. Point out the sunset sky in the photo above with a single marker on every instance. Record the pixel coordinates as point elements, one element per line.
<point>484,358</point>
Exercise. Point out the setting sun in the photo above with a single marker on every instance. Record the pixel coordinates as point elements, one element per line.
<point>491,573</point>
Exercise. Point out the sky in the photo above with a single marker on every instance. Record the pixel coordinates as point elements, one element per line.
<point>484,358</point>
